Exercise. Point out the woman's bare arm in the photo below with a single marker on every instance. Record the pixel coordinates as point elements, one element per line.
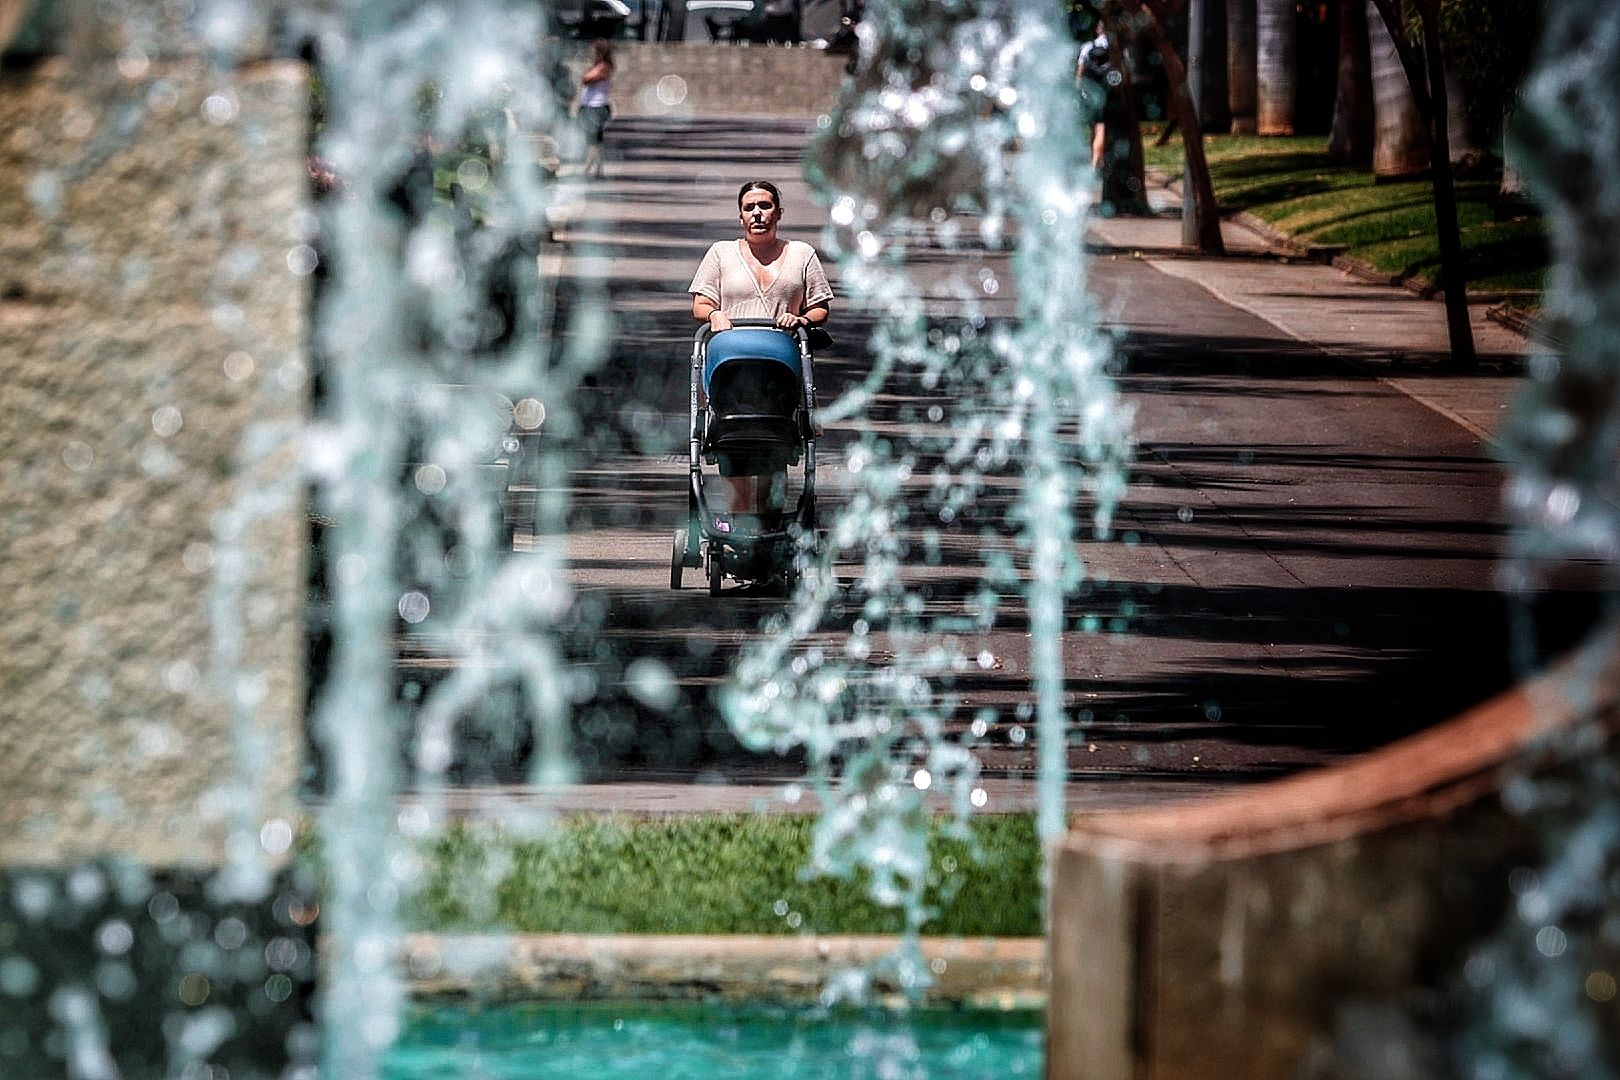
<point>706,310</point>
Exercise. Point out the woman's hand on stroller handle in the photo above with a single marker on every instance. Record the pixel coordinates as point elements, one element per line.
<point>800,329</point>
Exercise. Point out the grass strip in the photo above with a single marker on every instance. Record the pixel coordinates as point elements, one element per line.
<point>1289,183</point>
<point>714,874</point>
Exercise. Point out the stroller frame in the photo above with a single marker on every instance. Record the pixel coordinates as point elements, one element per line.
<point>715,541</point>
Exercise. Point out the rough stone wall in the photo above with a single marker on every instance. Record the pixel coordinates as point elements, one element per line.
<point>152,320</point>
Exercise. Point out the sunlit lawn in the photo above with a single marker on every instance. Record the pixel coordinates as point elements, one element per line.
<point>1289,183</point>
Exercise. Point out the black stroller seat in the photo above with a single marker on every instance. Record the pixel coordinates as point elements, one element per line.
<point>757,408</point>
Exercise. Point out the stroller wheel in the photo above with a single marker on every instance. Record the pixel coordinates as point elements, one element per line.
<point>678,559</point>
<point>715,572</point>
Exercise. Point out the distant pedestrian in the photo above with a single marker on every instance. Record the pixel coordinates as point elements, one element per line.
<point>1095,77</point>
<point>596,85</point>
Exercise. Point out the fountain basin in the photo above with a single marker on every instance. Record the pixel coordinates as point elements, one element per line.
<point>1254,934</point>
<point>979,973</point>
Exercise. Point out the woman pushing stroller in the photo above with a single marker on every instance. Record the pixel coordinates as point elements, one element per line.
<point>759,276</point>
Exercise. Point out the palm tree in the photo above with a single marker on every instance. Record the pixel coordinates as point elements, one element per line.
<point>1240,64</point>
<point>1274,72</point>
<point>1401,139</point>
<point>1352,139</point>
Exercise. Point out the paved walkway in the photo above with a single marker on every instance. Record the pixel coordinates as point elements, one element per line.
<point>1383,330</point>
<point>1387,328</point>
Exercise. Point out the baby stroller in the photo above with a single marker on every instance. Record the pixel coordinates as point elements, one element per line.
<point>753,409</point>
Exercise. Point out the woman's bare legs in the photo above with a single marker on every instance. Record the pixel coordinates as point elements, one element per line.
<point>756,495</point>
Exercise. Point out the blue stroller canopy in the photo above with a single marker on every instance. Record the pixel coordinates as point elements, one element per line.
<point>751,343</point>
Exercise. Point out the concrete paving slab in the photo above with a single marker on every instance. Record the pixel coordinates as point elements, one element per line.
<point>1378,325</point>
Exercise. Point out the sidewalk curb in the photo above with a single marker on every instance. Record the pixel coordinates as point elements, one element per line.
<point>1531,328</point>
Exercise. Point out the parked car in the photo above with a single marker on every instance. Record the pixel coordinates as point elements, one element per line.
<point>591,19</point>
<point>736,20</point>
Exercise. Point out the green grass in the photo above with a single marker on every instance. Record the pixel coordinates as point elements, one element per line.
<point>731,874</point>
<point>1289,183</point>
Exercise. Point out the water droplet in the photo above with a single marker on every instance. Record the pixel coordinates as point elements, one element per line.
<point>529,414</point>
<point>78,456</point>
<point>275,836</point>
<point>653,684</point>
<point>180,677</point>
<point>414,606</point>
<point>193,988</point>
<point>86,886</point>
<point>430,479</point>
<point>18,977</point>
<point>1563,502</point>
<point>231,933</point>
<point>219,109</point>
<point>115,982</point>
<point>472,174</point>
<point>166,421</point>
<point>302,259</point>
<point>671,90</point>
<point>78,123</point>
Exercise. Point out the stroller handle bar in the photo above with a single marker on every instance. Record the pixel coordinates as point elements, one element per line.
<point>704,333</point>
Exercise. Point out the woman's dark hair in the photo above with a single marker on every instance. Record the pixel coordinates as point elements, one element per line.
<point>601,50</point>
<point>763,185</point>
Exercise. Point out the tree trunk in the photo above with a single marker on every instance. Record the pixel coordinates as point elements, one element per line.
<point>1182,111</point>
<point>1275,62</point>
<point>1453,276</point>
<point>1351,142</point>
<point>1241,44</point>
<point>1426,75</point>
<point>1214,102</point>
<point>1400,142</point>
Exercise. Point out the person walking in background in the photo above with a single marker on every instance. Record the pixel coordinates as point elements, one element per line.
<point>596,85</point>
<point>1092,77</point>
